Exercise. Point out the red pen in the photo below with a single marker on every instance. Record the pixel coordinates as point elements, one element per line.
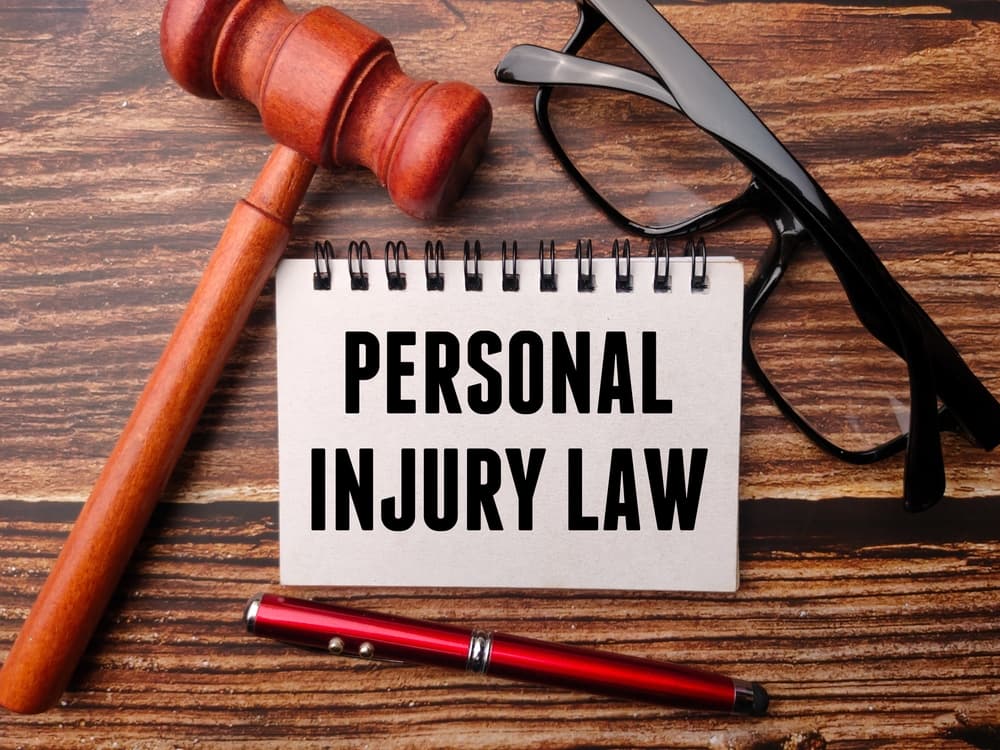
<point>368,635</point>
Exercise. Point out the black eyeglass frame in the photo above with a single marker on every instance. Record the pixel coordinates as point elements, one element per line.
<point>795,205</point>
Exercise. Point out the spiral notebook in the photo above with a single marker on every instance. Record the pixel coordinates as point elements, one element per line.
<point>514,422</point>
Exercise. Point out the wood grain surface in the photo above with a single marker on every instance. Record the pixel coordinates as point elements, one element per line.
<point>871,627</point>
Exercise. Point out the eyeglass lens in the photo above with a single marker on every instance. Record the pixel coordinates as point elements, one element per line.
<point>651,163</point>
<point>841,380</point>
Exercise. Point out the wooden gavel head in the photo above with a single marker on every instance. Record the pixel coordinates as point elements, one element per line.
<point>331,89</point>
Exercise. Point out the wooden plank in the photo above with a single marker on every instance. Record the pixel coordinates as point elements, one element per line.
<point>839,619</point>
<point>871,627</point>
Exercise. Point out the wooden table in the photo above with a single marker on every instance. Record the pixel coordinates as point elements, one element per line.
<point>870,627</point>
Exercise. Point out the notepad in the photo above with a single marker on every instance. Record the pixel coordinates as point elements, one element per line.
<point>557,423</point>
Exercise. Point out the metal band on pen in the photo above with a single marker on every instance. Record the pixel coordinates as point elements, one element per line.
<point>250,613</point>
<point>480,650</point>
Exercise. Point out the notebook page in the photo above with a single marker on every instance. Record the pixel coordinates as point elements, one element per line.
<point>510,439</point>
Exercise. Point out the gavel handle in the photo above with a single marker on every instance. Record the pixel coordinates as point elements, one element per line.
<point>111,523</point>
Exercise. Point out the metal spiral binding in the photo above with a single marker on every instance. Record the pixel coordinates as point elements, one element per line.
<point>474,280</point>
<point>322,251</point>
<point>511,281</point>
<point>359,279</point>
<point>660,248</point>
<point>623,281</point>
<point>621,252</point>
<point>435,280</point>
<point>395,278</point>
<point>698,252</point>
<point>584,281</point>
<point>547,281</point>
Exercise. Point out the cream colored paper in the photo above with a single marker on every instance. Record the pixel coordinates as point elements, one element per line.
<point>697,367</point>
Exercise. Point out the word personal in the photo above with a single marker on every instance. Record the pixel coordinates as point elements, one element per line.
<point>521,385</point>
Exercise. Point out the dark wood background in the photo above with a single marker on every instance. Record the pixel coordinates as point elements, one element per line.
<point>871,627</point>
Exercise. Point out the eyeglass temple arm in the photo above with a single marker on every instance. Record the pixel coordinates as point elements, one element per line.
<point>537,66</point>
<point>971,404</point>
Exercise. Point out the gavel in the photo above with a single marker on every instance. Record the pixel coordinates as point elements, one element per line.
<point>331,93</point>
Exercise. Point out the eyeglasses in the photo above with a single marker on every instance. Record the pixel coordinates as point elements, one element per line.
<point>884,378</point>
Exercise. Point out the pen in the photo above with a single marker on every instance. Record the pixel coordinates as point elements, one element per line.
<point>368,635</point>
